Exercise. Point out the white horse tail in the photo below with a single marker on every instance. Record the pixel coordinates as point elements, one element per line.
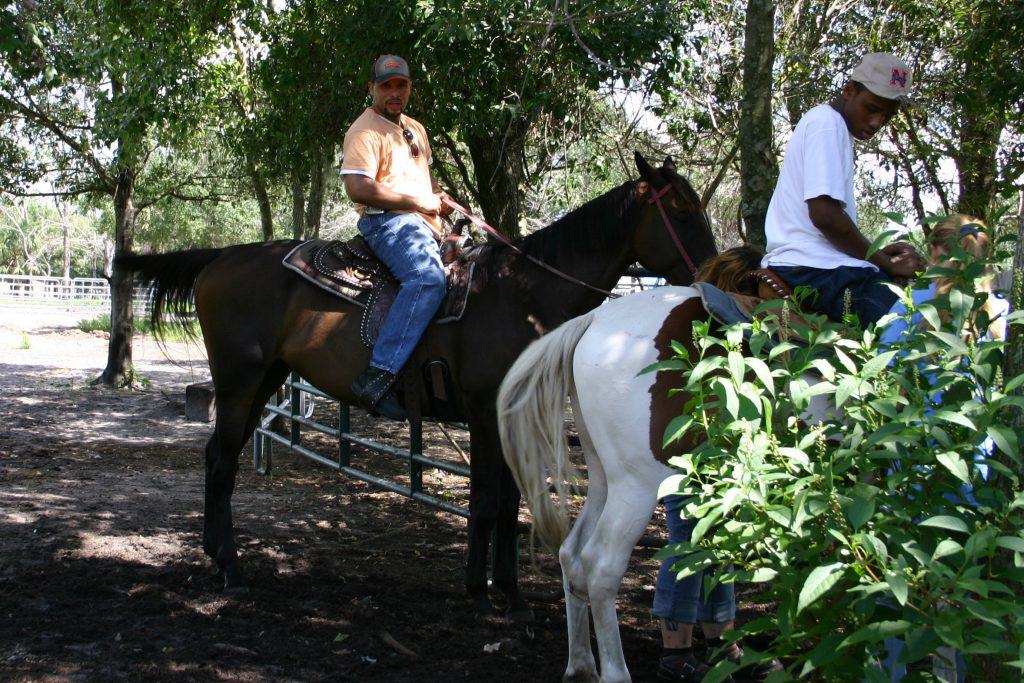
<point>531,421</point>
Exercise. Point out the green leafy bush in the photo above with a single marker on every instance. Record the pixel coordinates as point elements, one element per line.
<point>858,525</point>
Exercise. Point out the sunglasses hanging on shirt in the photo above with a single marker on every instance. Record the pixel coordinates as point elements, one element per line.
<point>414,149</point>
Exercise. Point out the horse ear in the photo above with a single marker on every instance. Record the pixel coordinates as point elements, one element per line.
<point>647,172</point>
<point>670,164</point>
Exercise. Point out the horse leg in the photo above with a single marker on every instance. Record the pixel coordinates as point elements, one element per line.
<point>484,482</point>
<point>506,545</point>
<point>628,509</point>
<point>238,411</point>
<point>581,666</point>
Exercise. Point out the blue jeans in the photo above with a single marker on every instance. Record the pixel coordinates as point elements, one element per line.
<point>406,244</point>
<point>869,298</point>
<point>684,601</point>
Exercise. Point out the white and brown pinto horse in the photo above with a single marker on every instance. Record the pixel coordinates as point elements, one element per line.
<point>621,417</point>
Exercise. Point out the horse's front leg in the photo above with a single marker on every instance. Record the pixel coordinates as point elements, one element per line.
<point>484,485</point>
<point>506,543</point>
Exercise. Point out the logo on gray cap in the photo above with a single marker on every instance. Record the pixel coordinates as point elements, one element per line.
<point>387,67</point>
<point>884,74</point>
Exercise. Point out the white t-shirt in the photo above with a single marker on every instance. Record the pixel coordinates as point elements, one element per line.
<point>819,161</point>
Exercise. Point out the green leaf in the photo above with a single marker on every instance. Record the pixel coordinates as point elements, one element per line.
<point>931,316</point>
<point>859,511</point>
<point>877,631</point>
<point>945,548</point>
<point>819,581</point>
<point>705,523</point>
<point>898,585</point>
<point>764,375</point>
<point>1014,384</point>
<point>702,368</point>
<point>954,342</point>
<point>955,418</point>
<point>671,484</point>
<point>945,522</point>
<point>877,364</point>
<point>1005,439</point>
<point>1014,543</point>
<point>677,428</point>
<point>955,464</point>
<point>736,365</point>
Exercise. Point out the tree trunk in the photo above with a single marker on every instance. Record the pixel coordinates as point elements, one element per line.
<point>498,173</point>
<point>259,189</point>
<point>976,165</point>
<point>758,168</point>
<point>1013,358</point>
<point>298,204</point>
<point>65,227</point>
<point>319,172</point>
<point>118,372</point>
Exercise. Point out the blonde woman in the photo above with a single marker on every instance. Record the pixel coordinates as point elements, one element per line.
<point>972,236</point>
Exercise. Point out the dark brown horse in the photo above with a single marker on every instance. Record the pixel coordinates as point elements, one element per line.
<point>261,321</point>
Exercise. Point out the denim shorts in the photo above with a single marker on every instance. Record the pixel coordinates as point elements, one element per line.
<point>870,299</point>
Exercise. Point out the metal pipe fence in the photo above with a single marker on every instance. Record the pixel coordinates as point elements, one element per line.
<point>295,407</point>
<point>38,291</point>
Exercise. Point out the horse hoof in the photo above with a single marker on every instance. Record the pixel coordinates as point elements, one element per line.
<point>484,608</point>
<point>520,614</point>
<point>582,676</point>
<point>235,591</point>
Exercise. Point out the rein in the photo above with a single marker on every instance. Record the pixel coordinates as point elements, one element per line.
<point>655,199</point>
<point>479,222</point>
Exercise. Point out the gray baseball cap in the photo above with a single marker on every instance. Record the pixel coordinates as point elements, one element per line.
<point>387,67</point>
<point>884,74</point>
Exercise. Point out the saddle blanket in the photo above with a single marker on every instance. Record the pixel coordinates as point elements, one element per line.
<point>351,271</point>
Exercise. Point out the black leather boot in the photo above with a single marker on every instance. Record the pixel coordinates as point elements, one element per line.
<point>375,391</point>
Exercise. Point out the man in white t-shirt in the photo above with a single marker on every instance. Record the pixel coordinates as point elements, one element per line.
<point>811,225</point>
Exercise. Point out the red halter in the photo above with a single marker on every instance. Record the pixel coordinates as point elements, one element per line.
<point>655,199</point>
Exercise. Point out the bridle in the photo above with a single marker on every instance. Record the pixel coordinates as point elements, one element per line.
<point>655,199</point>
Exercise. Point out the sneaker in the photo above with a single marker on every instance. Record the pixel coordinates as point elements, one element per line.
<point>752,672</point>
<point>684,669</point>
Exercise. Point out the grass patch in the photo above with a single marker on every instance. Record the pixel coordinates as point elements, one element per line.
<point>171,332</point>
<point>26,343</point>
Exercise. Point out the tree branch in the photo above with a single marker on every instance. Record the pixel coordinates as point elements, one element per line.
<point>55,128</point>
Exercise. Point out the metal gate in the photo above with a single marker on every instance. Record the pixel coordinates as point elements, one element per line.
<point>296,407</point>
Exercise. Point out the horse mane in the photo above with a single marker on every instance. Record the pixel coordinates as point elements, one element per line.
<point>597,225</point>
<point>730,270</point>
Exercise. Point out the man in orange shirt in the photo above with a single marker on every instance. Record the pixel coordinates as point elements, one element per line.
<point>386,171</point>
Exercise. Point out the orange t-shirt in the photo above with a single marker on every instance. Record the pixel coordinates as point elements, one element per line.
<point>376,148</point>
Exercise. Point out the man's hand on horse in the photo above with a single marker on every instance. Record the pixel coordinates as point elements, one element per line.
<point>429,204</point>
<point>445,210</point>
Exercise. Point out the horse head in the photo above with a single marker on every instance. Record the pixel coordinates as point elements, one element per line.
<point>674,235</point>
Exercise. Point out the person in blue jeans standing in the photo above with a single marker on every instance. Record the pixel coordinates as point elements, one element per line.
<point>681,604</point>
<point>386,172</point>
<point>811,232</point>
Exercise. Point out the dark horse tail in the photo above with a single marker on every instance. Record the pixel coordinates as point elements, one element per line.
<point>173,278</point>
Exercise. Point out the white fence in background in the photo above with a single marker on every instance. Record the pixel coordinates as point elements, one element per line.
<point>37,291</point>
<point>93,293</point>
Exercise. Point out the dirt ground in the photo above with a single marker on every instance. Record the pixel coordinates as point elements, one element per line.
<point>102,577</point>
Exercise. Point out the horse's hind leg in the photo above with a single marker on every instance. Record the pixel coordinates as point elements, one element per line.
<point>239,406</point>
<point>581,666</point>
<point>631,501</point>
